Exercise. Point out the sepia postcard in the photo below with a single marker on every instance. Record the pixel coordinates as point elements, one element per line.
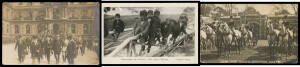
<point>149,33</point>
<point>249,33</point>
<point>50,33</point>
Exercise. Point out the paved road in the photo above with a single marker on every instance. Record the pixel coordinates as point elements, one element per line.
<point>10,57</point>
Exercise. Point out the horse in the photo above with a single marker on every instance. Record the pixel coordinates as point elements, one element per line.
<point>226,34</point>
<point>170,27</point>
<point>237,37</point>
<point>202,39</point>
<point>210,37</point>
<point>273,40</point>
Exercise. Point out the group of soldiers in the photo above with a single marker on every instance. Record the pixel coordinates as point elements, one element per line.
<point>45,45</point>
<point>283,39</point>
<point>151,28</point>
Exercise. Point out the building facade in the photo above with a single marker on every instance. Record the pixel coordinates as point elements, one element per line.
<point>52,18</point>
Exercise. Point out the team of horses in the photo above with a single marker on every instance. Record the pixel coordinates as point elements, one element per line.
<point>225,39</point>
<point>282,39</point>
<point>219,36</point>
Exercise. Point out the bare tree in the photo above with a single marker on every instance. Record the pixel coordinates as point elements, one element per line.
<point>295,7</point>
<point>229,8</point>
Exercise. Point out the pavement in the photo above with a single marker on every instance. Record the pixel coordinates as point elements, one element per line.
<point>10,57</point>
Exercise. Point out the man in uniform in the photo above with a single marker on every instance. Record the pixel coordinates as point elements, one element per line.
<point>39,48</point>
<point>21,48</point>
<point>57,47</point>
<point>155,25</point>
<point>151,32</point>
<point>71,52</point>
<point>47,50</point>
<point>33,49</point>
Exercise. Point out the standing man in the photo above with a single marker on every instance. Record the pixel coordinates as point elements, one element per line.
<point>151,32</point>
<point>70,52</point>
<point>155,24</point>
<point>20,48</point>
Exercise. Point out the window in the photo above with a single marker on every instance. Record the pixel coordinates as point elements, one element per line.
<point>16,29</point>
<point>27,29</point>
<point>7,27</point>
<point>85,14</point>
<point>73,28</point>
<point>57,13</point>
<point>56,29</point>
<point>85,28</point>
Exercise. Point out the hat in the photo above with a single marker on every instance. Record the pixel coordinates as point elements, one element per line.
<point>117,15</point>
<point>150,12</point>
<point>143,13</point>
<point>156,12</point>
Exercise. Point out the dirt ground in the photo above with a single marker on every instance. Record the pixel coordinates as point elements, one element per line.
<point>258,54</point>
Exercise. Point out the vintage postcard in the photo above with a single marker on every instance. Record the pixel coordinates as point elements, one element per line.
<point>249,33</point>
<point>149,33</point>
<point>50,33</point>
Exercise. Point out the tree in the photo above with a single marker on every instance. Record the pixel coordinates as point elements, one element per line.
<point>205,9</point>
<point>107,9</point>
<point>282,12</point>
<point>295,7</point>
<point>251,10</point>
<point>228,9</point>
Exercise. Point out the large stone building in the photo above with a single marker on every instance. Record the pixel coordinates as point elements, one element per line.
<point>65,18</point>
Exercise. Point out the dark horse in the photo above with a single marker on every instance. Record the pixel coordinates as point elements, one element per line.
<point>170,27</point>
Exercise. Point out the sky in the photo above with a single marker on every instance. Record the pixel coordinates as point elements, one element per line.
<point>265,9</point>
<point>163,10</point>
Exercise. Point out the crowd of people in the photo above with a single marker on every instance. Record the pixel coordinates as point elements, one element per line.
<point>43,46</point>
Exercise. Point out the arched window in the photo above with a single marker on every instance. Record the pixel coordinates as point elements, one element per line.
<point>55,28</point>
<point>27,29</point>
<point>85,28</point>
<point>16,29</point>
<point>73,28</point>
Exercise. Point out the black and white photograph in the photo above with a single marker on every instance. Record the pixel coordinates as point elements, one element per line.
<point>137,32</point>
<point>50,33</point>
<point>249,33</point>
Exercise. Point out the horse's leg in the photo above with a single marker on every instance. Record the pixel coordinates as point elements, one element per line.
<point>238,46</point>
<point>142,49</point>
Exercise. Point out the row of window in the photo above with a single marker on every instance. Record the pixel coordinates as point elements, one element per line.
<point>53,13</point>
<point>56,29</point>
<point>47,3</point>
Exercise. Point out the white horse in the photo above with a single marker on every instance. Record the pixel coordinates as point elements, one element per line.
<point>202,39</point>
<point>227,38</point>
<point>237,40</point>
<point>210,37</point>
